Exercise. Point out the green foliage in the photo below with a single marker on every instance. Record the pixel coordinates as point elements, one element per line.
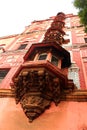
<point>81,5</point>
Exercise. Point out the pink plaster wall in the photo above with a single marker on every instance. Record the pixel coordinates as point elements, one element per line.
<point>66,116</point>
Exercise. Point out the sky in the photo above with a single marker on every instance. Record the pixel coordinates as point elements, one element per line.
<point>15,15</point>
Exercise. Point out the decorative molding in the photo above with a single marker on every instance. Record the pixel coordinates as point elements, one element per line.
<point>77,95</point>
<point>6,93</point>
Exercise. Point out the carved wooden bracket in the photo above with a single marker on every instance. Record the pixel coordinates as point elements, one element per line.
<point>35,89</point>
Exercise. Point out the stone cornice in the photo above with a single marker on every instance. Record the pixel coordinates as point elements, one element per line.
<point>77,95</point>
<point>6,93</point>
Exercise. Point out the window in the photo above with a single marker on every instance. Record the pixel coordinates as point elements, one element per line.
<point>3,73</point>
<point>42,56</point>
<point>22,46</point>
<point>54,60</point>
<point>85,40</point>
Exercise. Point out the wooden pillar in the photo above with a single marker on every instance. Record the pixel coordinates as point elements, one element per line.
<point>49,56</point>
<point>36,57</point>
<point>59,63</point>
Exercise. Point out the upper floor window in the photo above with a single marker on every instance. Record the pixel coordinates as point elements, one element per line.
<point>54,60</point>
<point>42,56</point>
<point>85,40</point>
<point>22,46</point>
<point>3,73</point>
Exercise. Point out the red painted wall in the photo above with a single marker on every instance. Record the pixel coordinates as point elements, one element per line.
<point>78,60</point>
<point>79,53</point>
<point>65,116</point>
<point>13,58</point>
<point>34,34</point>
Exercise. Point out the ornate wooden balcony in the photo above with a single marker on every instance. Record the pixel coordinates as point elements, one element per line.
<point>37,84</point>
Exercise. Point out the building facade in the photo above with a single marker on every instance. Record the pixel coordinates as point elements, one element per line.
<point>41,66</point>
